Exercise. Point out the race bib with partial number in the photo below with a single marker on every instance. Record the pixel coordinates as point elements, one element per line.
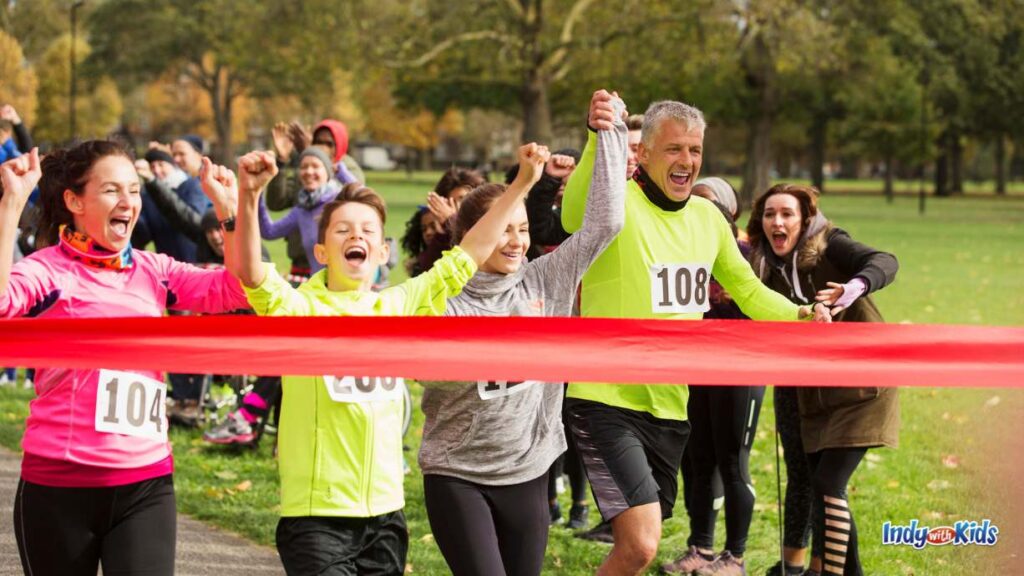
<point>491,389</point>
<point>680,288</point>
<point>364,388</point>
<point>131,404</point>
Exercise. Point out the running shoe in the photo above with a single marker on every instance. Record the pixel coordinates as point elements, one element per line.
<point>600,533</point>
<point>724,565</point>
<point>235,429</point>
<point>5,381</point>
<point>688,563</point>
<point>578,516</point>
<point>556,512</point>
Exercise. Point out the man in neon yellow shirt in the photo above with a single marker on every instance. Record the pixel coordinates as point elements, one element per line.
<point>340,439</point>
<point>631,436</point>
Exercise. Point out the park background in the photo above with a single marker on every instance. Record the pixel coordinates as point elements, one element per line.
<point>906,114</point>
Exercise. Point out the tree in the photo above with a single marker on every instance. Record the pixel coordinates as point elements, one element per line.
<point>98,104</point>
<point>258,48</point>
<point>512,56</point>
<point>19,85</point>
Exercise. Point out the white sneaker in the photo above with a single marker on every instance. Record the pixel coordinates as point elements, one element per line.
<point>28,383</point>
<point>5,381</point>
<point>560,485</point>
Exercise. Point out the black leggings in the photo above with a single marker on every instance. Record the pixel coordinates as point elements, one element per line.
<point>724,422</point>
<point>570,463</point>
<point>69,531</point>
<point>489,530</point>
<point>835,533</point>
<point>799,490</point>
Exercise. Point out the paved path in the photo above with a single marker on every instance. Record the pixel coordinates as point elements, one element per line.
<point>202,550</point>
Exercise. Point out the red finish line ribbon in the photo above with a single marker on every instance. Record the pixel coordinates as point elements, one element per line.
<point>547,349</point>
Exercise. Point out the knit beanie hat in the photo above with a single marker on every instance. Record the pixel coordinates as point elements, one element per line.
<point>157,155</point>
<point>320,155</point>
<point>194,141</point>
<point>723,191</point>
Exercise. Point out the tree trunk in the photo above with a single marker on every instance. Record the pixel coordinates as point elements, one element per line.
<point>1001,164</point>
<point>536,109</point>
<point>759,69</point>
<point>942,167</point>
<point>888,177</point>
<point>956,162</point>
<point>819,141</point>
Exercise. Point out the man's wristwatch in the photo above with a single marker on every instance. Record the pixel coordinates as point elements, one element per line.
<point>228,224</point>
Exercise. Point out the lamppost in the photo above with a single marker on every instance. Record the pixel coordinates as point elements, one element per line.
<point>74,84</point>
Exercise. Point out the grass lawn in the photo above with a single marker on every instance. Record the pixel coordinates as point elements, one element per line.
<point>960,263</point>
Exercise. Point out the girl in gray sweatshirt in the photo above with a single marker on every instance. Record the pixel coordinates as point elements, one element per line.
<point>487,445</point>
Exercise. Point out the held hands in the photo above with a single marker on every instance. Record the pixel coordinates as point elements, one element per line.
<point>220,187</point>
<point>818,310</point>
<point>840,296</point>
<point>442,208</point>
<point>560,166</point>
<point>532,158</point>
<point>255,170</point>
<point>18,177</point>
<point>602,111</point>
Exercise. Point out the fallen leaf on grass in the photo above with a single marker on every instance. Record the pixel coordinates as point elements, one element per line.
<point>893,484</point>
<point>226,475</point>
<point>215,493</point>
<point>244,486</point>
<point>427,538</point>
<point>936,485</point>
<point>951,461</point>
<point>993,402</point>
<point>873,457</point>
<point>408,569</point>
<point>934,515</point>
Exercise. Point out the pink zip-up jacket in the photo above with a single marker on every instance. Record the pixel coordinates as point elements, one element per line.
<point>49,284</point>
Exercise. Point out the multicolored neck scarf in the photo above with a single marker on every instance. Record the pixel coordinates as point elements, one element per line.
<point>84,249</point>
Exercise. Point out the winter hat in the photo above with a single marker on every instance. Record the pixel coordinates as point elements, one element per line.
<point>194,141</point>
<point>340,133</point>
<point>157,155</point>
<point>320,155</point>
<point>723,191</point>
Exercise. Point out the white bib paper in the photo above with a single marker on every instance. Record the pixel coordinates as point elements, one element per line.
<point>131,404</point>
<point>680,288</point>
<point>491,389</point>
<point>364,388</point>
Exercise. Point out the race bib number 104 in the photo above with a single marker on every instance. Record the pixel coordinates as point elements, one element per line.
<point>364,388</point>
<point>131,404</point>
<point>679,288</point>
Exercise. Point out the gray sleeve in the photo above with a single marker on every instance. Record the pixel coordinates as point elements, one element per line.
<point>559,272</point>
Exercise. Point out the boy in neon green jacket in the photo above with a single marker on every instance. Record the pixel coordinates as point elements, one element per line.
<point>340,436</point>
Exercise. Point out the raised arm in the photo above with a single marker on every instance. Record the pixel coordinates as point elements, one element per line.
<point>255,170</point>
<point>602,116</point>
<point>220,186</point>
<point>18,177</point>
<point>480,240</point>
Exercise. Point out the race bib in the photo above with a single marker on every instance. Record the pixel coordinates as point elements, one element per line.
<point>679,288</point>
<point>491,389</point>
<point>364,388</point>
<point>131,404</point>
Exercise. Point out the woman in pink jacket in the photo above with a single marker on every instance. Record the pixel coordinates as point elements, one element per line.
<point>96,480</point>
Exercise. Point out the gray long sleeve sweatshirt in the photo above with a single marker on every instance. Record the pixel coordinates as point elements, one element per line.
<point>501,433</point>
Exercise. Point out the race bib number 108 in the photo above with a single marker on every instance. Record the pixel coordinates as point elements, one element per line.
<point>679,288</point>
<point>131,404</point>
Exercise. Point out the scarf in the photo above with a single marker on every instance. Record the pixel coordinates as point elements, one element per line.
<point>84,249</point>
<point>310,199</point>
<point>655,193</point>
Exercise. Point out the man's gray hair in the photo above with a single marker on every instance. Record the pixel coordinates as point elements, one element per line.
<point>663,110</point>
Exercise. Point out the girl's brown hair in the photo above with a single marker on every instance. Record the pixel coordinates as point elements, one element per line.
<point>473,208</point>
<point>806,196</point>
<point>67,169</point>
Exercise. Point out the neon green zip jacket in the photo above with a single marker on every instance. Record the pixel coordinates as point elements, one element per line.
<point>659,267</point>
<point>340,438</point>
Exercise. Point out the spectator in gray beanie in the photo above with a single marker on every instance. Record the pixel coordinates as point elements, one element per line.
<point>720,191</point>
